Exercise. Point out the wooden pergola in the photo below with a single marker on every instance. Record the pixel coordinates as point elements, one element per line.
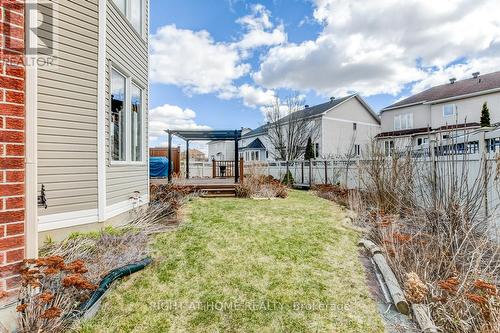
<point>204,135</point>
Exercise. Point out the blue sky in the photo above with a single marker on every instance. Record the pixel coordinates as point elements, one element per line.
<point>216,64</point>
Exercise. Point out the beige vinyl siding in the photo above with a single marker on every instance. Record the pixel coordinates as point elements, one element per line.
<point>129,53</point>
<point>67,110</point>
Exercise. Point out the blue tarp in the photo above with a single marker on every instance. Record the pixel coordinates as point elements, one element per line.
<point>158,167</point>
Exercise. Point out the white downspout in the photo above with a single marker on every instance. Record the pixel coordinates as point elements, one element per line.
<point>31,181</point>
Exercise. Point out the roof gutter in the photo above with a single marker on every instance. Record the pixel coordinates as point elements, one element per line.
<point>478,93</point>
<point>402,106</point>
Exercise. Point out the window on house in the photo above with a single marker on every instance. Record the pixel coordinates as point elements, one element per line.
<point>267,154</point>
<point>136,122</point>
<point>354,126</point>
<point>357,150</point>
<point>397,122</point>
<point>257,156</point>
<point>136,14</point>
<point>127,121</point>
<point>316,150</point>
<point>449,110</point>
<point>409,120</point>
<point>118,117</point>
<point>389,147</point>
<point>134,11</point>
<point>403,121</point>
<point>421,141</point>
<point>122,4</point>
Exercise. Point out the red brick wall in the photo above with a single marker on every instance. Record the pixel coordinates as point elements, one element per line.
<point>12,141</point>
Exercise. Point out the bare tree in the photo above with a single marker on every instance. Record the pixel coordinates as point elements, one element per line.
<point>289,127</point>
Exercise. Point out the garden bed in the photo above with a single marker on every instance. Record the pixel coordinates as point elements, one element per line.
<point>56,288</point>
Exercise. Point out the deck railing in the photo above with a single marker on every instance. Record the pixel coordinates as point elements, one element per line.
<point>226,169</point>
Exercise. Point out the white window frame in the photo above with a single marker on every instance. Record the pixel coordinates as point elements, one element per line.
<point>128,120</point>
<point>454,106</point>
<point>127,16</point>
<point>397,122</point>
<point>403,121</point>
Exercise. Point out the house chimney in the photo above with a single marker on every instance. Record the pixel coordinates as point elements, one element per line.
<point>453,80</point>
<point>332,99</point>
<point>475,75</point>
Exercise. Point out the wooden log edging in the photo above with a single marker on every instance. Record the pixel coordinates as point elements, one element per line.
<point>423,318</point>
<point>397,294</point>
<point>421,313</point>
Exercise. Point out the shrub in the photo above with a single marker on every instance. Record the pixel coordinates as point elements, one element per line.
<point>288,179</point>
<point>50,289</point>
<point>259,186</point>
<point>435,237</point>
<point>56,284</point>
<point>336,193</point>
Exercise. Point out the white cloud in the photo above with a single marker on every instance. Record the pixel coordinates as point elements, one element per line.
<point>260,30</point>
<point>373,47</point>
<point>252,96</point>
<point>194,60</point>
<point>460,71</point>
<point>171,117</point>
<point>255,96</point>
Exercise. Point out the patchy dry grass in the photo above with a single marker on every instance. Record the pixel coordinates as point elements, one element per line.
<point>274,266</point>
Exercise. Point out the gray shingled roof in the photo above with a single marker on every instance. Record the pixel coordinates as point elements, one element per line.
<point>255,144</point>
<point>459,88</point>
<point>311,111</point>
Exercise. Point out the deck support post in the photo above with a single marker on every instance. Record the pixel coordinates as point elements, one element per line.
<point>236,157</point>
<point>170,164</point>
<point>187,159</point>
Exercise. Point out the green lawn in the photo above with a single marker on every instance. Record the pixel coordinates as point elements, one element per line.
<point>240,265</point>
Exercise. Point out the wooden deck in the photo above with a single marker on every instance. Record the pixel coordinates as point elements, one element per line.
<point>210,187</point>
<point>195,181</point>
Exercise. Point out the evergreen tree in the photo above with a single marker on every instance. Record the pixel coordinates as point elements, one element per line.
<point>288,179</point>
<point>485,116</point>
<point>309,154</point>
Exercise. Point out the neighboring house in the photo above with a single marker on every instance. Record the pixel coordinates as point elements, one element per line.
<point>85,126</point>
<point>345,126</point>
<point>254,151</point>
<point>439,111</point>
<point>221,150</point>
<point>195,155</point>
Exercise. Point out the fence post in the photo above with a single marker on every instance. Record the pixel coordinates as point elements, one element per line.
<point>302,173</point>
<point>326,173</point>
<point>310,173</point>
<point>483,152</point>
<point>432,151</point>
<point>214,170</point>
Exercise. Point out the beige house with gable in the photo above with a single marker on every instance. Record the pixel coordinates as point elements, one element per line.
<point>454,106</point>
<point>346,126</point>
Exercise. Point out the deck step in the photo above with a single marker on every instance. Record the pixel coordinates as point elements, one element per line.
<point>218,196</point>
<point>218,192</point>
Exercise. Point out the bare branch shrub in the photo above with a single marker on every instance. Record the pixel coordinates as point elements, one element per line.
<point>336,193</point>
<point>256,185</point>
<point>52,290</point>
<point>289,128</point>
<point>429,217</point>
